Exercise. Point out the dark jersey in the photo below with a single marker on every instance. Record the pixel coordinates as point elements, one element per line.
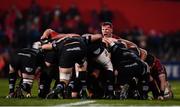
<point>128,65</point>
<point>92,49</point>
<point>70,51</point>
<point>131,46</point>
<point>95,49</point>
<point>122,56</point>
<point>60,43</point>
<point>26,60</point>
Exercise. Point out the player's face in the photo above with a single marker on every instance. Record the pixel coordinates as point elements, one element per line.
<point>106,31</point>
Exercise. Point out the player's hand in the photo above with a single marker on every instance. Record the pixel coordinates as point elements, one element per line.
<point>109,40</point>
<point>106,40</point>
<point>46,33</point>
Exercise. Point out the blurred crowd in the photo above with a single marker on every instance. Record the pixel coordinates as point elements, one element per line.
<point>20,28</point>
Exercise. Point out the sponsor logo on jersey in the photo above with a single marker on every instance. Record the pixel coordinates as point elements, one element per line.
<point>74,49</point>
<point>131,65</point>
<point>28,69</point>
<point>24,54</point>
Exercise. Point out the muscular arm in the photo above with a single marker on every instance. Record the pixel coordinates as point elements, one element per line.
<point>129,44</point>
<point>132,46</point>
<point>143,54</point>
<point>95,37</point>
<point>65,35</point>
<point>162,83</point>
<point>47,46</point>
<point>54,35</point>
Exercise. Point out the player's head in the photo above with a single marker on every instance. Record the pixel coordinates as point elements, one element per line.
<point>107,29</point>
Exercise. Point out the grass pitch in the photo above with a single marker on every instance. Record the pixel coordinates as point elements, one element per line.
<point>35,101</point>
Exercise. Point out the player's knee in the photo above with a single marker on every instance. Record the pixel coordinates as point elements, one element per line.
<point>65,76</point>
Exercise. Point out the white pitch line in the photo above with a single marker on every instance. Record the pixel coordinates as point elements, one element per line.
<point>80,103</point>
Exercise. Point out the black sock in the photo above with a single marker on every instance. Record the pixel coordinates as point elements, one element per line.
<point>93,82</point>
<point>110,80</point>
<point>12,81</point>
<point>48,70</point>
<point>154,88</point>
<point>82,77</point>
<point>60,86</point>
<point>71,84</point>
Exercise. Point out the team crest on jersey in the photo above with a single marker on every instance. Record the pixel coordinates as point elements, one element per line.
<point>28,69</point>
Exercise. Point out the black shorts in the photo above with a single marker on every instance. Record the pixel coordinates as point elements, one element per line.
<point>50,56</point>
<point>24,62</point>
<point>128,71</point>
<point>73,51</point>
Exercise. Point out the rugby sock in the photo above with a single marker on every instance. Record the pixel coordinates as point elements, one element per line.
<point>69,88</point>
<point>154,88</point>
<point>82,77</point>
<point>12,81</point>
<point>60,86</point>
<point>44,85</point>
<point>93,81</point>
<point>71,84</point>
<point>110,80</point>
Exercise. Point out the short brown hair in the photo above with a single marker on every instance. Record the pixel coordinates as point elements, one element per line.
<point>107,23</point>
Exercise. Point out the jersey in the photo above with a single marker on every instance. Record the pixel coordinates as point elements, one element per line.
<point>122,56</point>
<point>26,60</point>
<point>127,63</point>
<point>96,52</point>
<point>157,69</point>
<point>94,48</point>
<point>70,50</point>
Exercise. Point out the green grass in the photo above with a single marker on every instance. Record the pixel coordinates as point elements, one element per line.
<point>43,102</point>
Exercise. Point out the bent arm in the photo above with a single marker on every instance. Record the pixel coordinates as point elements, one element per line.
<point>128,43</point>
<point>95,37</point>
<point>47,46</point>
<point>54,35</point>
<point>143,54</point>
<point>162,83</point>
